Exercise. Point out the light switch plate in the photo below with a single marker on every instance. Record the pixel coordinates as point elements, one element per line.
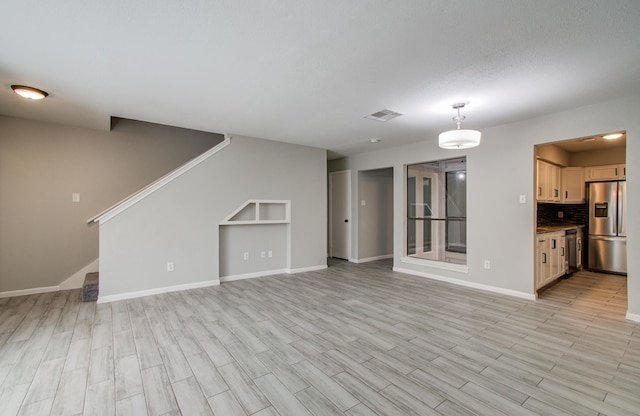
<point>523,199</point>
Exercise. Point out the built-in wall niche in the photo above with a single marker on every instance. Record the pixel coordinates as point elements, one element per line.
<point>255,240</point>
<point>260,212</point>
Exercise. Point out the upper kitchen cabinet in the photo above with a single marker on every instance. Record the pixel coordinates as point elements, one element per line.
<point>605,172</point>
<point>573,185</point>
<point>549,180</point>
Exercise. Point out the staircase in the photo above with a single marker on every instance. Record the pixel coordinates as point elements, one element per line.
<point>90,287</point>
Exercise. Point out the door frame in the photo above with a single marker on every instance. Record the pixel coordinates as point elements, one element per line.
<point>348,207</point>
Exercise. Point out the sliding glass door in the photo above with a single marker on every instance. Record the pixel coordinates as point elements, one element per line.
<point>436,211</point>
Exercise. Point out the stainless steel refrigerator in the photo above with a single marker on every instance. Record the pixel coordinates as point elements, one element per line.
<point>608,227</point>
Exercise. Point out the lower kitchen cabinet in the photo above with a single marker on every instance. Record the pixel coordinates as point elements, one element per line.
<point>543,260</point>
<point>551,255</point>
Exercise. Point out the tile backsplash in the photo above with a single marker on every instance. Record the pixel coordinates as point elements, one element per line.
<point>571,214</point>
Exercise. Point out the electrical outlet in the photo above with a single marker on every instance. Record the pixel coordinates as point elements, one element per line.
<point>170,266</point>
<point>75,197</point>
<point>246,255</point>
<point>263,255</point>
<point>523,199</point>
<point>487,264</point>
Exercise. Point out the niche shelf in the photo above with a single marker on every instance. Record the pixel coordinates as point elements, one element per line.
<point>260,212</point>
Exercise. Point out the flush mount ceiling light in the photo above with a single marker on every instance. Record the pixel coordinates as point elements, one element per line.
<point>612,136</point>
<point>29,92</point>
<point>459,138</point>
<point>374,140</point>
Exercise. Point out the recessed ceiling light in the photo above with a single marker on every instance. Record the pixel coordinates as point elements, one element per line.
<point>29,92</point>
<point>612,136</point>
<point>374,140</point>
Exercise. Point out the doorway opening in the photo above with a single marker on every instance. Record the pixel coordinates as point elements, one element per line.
<point>568,239</point>
<point>375,215</point>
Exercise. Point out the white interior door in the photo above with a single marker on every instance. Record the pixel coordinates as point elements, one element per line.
<point>340,214</point>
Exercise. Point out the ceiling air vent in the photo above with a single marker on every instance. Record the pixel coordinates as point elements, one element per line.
<point>383,115</point>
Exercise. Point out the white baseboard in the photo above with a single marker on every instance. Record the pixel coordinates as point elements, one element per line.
<point>157,291</point>
<point>458,268</point>
<point>307,269</point>
<point>231,278</point>
<point>368,259</point>
<point>73,282</point>
<point>502,291</point>
<point>77,279</point>
<point>633,316</point>
<point>32,291</point>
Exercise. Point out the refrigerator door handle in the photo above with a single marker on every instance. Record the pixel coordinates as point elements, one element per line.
<point>599,237</point>
<point>620,219</point>
<point>622,207</point>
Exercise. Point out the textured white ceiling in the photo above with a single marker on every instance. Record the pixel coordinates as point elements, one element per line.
<point>308,71</point>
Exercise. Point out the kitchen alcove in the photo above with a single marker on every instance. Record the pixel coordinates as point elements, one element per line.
<point>254,240</point>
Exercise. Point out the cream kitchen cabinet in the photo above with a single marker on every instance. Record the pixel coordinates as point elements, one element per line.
<point>551,255</point>
<point>573,185</point>
<point>543,263</point>
<point>549,180</point>
<point>605,172</point>
<point>559,253</point>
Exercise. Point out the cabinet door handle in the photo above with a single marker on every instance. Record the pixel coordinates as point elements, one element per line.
<point>566,194</point>
<point>544,260</point>
<point>616,172</point>
<point>554,243</point>
<point>562,251</point>
<point>539,190</point>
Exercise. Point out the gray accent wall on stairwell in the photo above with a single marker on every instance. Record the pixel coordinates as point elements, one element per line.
<point>179,223</point>
<point>44,237</point>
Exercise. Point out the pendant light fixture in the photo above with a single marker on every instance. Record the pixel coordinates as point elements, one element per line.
<point>459,138</point>
<point>29,92</point>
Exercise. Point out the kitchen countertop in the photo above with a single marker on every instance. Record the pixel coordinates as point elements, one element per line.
<point>559,227</point>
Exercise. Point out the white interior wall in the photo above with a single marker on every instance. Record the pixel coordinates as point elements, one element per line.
<point>610,156</point>
<point>554,154</point>
<point>179,222</point>
<point>236,240</point>
<point>500,229</point>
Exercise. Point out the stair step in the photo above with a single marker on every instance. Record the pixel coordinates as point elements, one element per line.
<point>90,287</point>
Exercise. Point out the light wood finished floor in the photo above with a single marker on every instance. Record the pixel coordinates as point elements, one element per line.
<point>350,340</point>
